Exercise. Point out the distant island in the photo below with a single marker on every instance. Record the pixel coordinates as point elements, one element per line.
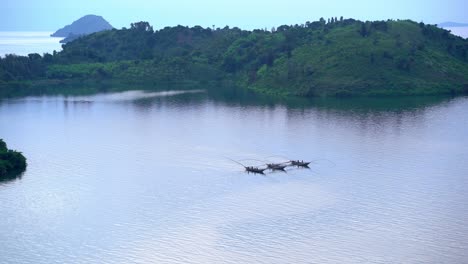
<point>452,24</point>
<point>81,27</point>
<point>11,162</point>
<point>333,57</point>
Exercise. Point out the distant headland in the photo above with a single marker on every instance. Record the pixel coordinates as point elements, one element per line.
<point>81,27</point>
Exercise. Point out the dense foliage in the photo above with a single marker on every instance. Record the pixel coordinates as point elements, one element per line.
<point>334,57</point>
<point>10,161</point>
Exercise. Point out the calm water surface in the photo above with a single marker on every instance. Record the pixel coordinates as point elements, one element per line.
<point>143,177</point>
<point>23,43</point>
<point>459,31</point>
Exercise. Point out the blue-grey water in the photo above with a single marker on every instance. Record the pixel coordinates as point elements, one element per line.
<point>24,43</point>
<point>459,31</point>
<point>144,177</point>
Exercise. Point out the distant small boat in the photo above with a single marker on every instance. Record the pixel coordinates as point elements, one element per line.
<point>252,169</point>
<point>277,166</point>
<point>255,169</point>
<point>281,166</point>
<point>300,163</point>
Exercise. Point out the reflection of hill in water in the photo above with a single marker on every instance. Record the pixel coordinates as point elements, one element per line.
<point>354,104</point>
<point>11,177</point>
<point>364,114</point>
<point>371,118</point>
<point>231,96</point>
<point>237,97</point>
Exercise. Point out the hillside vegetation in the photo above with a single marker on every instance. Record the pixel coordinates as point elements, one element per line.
<point>338,57</point>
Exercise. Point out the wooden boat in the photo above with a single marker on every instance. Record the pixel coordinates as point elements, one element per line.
<point>300,163</point>
<point>255,169</point>
<point>252,169</point>
<point>277,166</point>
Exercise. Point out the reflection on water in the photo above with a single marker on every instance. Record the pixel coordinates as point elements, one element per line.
<point>144,177</point>
<point>10,177</point>
<point>130,96</point>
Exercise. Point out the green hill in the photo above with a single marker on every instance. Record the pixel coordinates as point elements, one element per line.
<point>373,58</point>
<point>340,57</point>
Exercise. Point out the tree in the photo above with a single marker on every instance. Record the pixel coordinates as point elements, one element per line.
<point>322,21</point>
<point>34,57</point>
<point>47,58</point>
<point>10,161</point>
<point>141,26</point>
<point>404,64</point>
<point>3,145</point>
<point>363,31</point>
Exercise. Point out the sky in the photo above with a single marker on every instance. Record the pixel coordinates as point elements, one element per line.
<point>49,15</point>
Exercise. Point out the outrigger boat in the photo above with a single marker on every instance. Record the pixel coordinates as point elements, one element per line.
<point>251,169</point>
<point>277,166</point>
<point>255,169</point>
<point>274,166</point>
<point>300,163</point>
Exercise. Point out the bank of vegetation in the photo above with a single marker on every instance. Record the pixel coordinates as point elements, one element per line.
<point>337,57</point>
<point>12,162</point>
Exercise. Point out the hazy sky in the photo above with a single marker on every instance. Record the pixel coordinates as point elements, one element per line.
<point>50,15</point>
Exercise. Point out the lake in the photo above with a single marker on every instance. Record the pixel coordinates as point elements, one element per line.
<point>146,177</point>
<point>459,31</point>
<point>24,43</point>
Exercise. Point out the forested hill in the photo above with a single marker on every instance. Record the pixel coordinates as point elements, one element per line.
<point>323,58</point>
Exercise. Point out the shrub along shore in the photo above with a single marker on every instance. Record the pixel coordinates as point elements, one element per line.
<point>11,162</point>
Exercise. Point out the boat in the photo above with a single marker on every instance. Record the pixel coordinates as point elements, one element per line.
<point>300,163</point>
<point>252,169</point>
<point>276,166</point>
<point>255,169</point>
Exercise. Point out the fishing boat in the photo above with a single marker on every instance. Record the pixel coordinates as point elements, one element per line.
<point>300,163</point>
<point>277,166</point>
<point>251,169</point>
<point>255,169</point>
